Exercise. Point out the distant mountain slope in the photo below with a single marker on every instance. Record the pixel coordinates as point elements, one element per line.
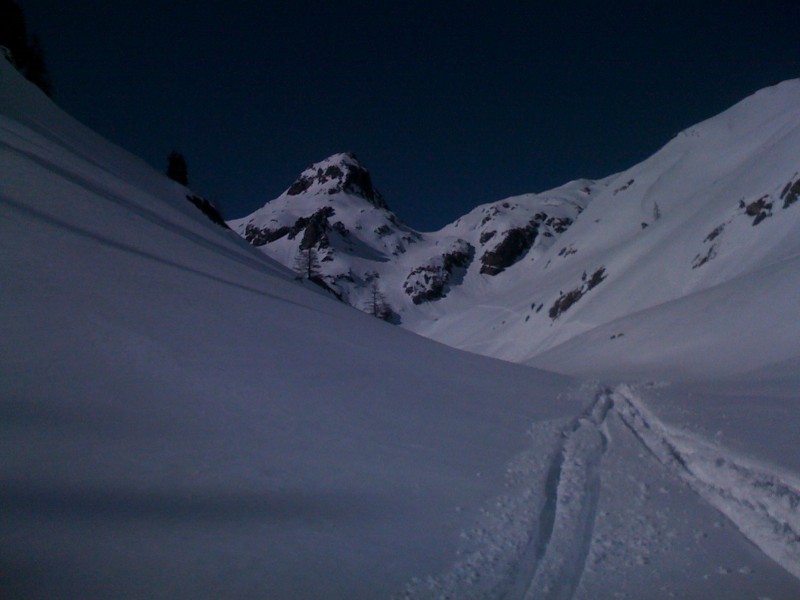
<point>717,207</point>
<point>693,253</point>
<point>334,209</point>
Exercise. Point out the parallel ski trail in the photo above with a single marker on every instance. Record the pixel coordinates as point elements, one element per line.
<point>541,553</point>
<point>552,563</point>
<point>763,504</point>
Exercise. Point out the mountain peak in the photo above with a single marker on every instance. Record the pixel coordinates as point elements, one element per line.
<point>339,173</point>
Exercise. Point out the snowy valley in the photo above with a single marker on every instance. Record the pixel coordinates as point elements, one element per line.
<point>590,269</point>
<point>184,417</point>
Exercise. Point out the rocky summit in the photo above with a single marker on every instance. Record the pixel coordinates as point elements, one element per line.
<point>338,174</point>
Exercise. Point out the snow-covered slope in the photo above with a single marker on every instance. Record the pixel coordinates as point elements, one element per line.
<point>364,249</point>
<point>334,210</point>
<point>182,418</point>
<point>684,266</point>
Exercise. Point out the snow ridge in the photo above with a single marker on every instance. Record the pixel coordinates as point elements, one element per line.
<point>763,504</point>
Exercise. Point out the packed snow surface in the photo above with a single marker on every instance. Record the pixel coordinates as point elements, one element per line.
<point>182,418</point>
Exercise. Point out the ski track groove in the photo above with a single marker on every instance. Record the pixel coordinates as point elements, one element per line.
<point>763,505</point>
<point>553,561</point>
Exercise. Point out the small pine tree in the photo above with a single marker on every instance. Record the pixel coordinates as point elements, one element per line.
<point>27,58</point>
<point>376,303</point>
<point>306,263</point>
<point>177,169</point>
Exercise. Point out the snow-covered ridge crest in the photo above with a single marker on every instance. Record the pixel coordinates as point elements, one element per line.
<point>701,224</point>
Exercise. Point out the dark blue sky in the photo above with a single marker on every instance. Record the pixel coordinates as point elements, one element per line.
<point>449,104</point>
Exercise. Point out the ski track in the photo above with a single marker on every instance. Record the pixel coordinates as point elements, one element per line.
<point>762,503</point>
<point>551,565</point>
<point>527,555</point>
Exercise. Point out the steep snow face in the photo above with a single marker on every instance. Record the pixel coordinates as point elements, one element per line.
<point>363,248</point>
<point>585,277</point>
<point>684,266</point>
<point>333,210</point>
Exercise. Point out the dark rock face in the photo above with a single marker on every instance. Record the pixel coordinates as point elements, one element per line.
<point>299,186</point>
<point>701,259</point>
<point>596,278</point>
<point>314,230</point>
<point>514,244</point>
<point>713,239</point>
<point>348,176</point>
<point>259,237</point>
<point>624,187</point>
<point>566,300</point>
<point>424,284</point>
<point>759,210</point>
<point>790,193</point>
<point>431,282</point>
<point>717,231</point>
<point>359,183</point>
<point>486,236</point>
<point>559,224</point>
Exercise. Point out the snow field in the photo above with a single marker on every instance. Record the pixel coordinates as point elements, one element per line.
<point>180,418</point>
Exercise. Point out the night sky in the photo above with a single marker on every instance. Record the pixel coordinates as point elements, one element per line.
<point>449,104</point>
